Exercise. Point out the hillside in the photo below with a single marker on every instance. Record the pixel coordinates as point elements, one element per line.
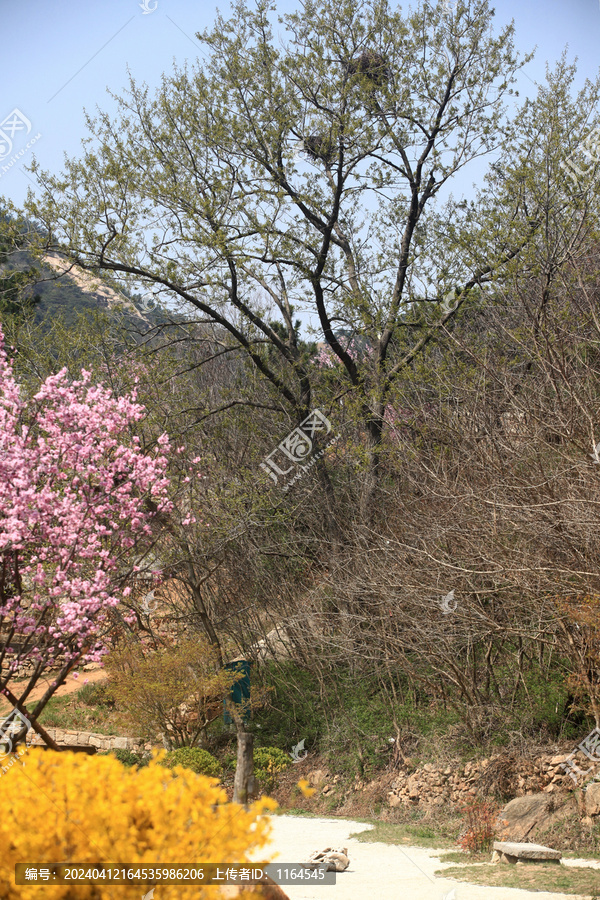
<point>69,292</point>
<point>76,291</point>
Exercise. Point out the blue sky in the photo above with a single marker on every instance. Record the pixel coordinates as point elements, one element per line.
<point>60,57</point>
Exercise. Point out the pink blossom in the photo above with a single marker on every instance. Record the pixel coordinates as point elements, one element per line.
<point>73,492</point>
<point>326,358</point>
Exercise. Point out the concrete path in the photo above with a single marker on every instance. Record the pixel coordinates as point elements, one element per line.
<point>376,871</point>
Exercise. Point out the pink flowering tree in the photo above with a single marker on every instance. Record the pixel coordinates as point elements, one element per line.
<point>358,350</point>
<point>78,497</point>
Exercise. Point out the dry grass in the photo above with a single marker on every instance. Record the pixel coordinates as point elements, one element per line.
<point>536,877</point>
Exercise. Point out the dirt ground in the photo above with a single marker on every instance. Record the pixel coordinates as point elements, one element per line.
<point>70,686</point>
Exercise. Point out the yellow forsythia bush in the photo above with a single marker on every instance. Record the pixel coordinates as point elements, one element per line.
<point>70,807</point>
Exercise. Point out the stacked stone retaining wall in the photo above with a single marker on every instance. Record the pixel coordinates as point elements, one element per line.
<point>436,785</point>
<point>67,738</point>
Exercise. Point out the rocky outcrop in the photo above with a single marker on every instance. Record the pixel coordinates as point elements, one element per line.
<point>592,800</point>
<point>525,817</point>
<point>92,285</point>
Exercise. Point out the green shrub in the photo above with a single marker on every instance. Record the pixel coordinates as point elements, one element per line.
<point>199,761</point>
<point>97,693</point>
<point>127,757</point>
<point>268,763</point>
<point>90,709</point>
<point>293,708</point>
<point>230,761</point>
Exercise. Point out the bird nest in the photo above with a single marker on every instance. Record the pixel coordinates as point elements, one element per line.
<point>319,147</point>
<point>371,65</point>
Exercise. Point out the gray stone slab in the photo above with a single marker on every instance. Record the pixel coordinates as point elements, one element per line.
<point>526,851</point>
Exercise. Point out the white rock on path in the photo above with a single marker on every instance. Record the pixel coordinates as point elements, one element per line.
<point>334,859</point>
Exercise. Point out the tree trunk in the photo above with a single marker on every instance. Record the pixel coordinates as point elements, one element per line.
<point>34,723</point>
<point>203,614</point>
<point>243,785</point>
<point>368,500</point>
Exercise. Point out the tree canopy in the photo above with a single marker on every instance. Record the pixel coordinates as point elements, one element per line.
<point>303,175</point>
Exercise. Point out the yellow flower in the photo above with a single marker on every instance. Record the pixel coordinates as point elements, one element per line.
<point>306,790</point>
<point>91,809</point>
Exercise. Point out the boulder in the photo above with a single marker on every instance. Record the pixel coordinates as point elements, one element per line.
<point>592,800</point>
<point>316,777</point>
<point>414,787</point>
<point>526,816</point>
<point>511,852</point>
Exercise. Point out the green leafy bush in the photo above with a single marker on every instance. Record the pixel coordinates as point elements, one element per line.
<point>90,709</point>
<point>268,763</point>
<point>230,761</point>
<point>97,693</point>
<point>294,706</point>
<point>199,761</point>
<point>127,757</point>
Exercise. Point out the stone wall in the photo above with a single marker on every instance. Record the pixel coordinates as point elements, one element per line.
<point>90,739</point>
<point>435,785</point>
